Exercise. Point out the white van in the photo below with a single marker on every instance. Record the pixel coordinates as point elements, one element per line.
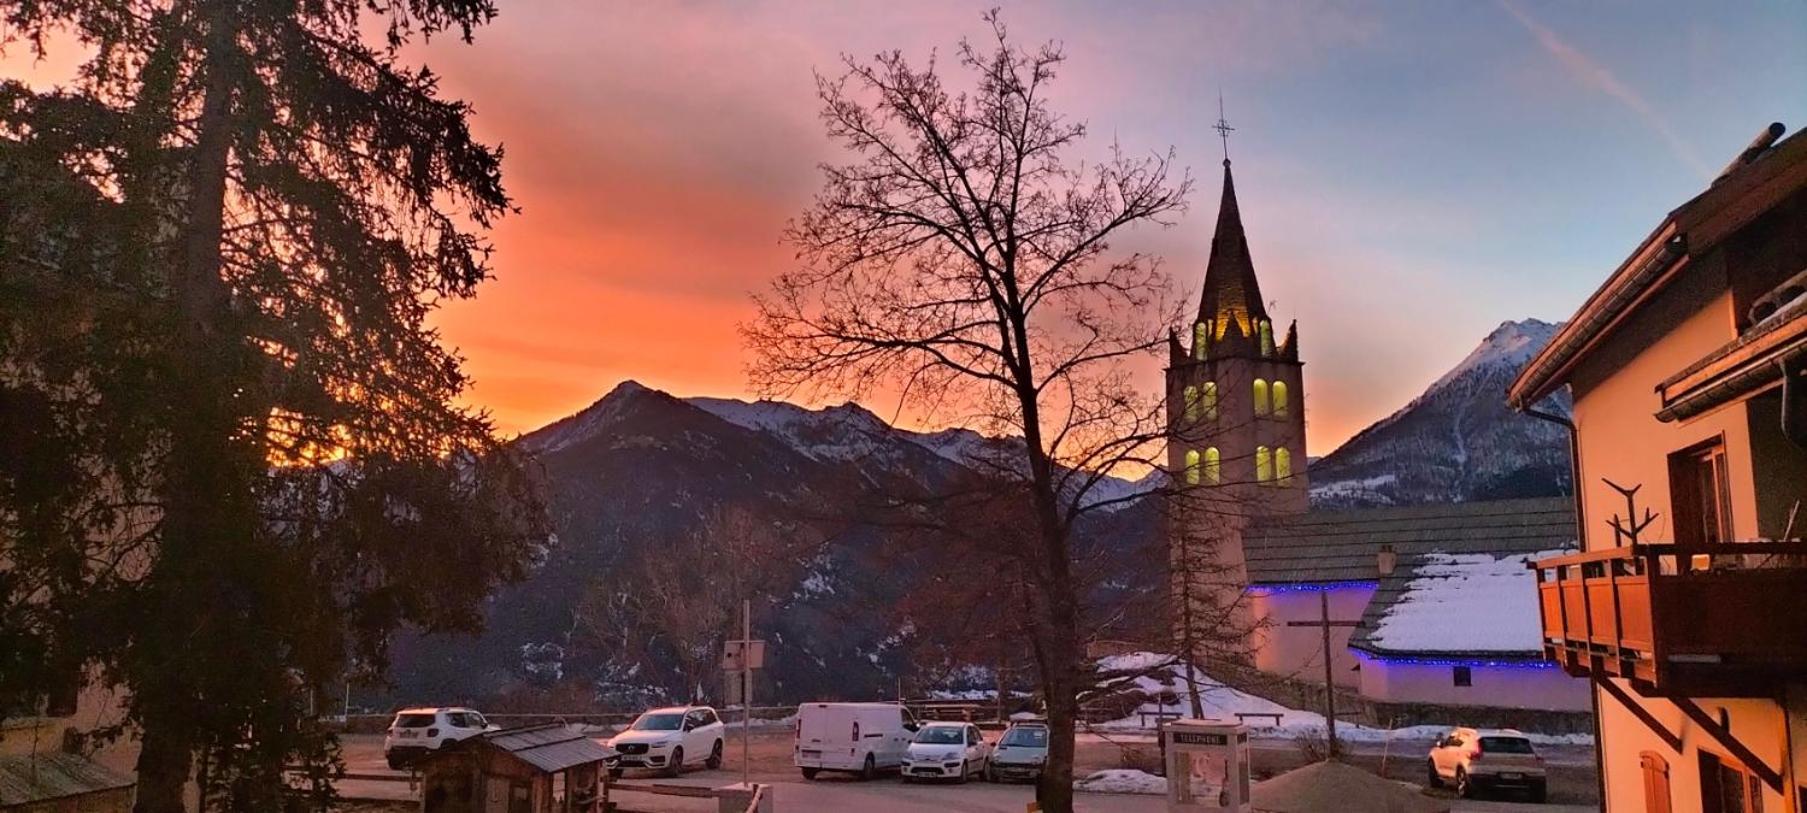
<point>862,738</point>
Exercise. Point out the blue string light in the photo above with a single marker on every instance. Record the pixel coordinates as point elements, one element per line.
<point>1414,660</point>
<point>1314,587</point>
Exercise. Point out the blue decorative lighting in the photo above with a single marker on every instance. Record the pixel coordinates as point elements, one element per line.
<point>1414,660</point>
<point>1314,587</point>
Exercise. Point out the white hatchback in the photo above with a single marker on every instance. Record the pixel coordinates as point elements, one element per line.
<point>947,751</point>
<point>414,733</point>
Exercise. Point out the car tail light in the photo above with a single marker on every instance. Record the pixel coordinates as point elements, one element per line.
<point>856,730</point>
<point>432,732</point>
<point>797,729</point>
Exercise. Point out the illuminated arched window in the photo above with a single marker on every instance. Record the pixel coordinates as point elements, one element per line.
<point>1262,407</point>
<point>1207,400</point>
<point>1213,466</point>
<point>1191,401</point>
<point>1283,464</point>
<point>1264,464</point>
<point>1192,467</point>
<point>1267,338</point>
<point>1278,392</point>
<point>1201,340</point>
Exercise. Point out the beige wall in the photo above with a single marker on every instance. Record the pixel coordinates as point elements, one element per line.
<point>1616,404</point>
<point>1528,686</point>
<point>1298,652</point>
<point>1759,724</point>
<point>95,708</point>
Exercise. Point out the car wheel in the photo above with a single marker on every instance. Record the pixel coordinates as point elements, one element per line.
<point>869,771</point>
<point>395,764</point>
<point>1540,794</point>
<point>965,772</point>
<point>809,774</point>
<point>991,772</point>
<point>676,765</point>
<point>615,773</point>
<point>1431,777</point>
<point>1464,788</point>
<point>715,756</point>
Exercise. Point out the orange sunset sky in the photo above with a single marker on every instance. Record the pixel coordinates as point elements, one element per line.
<point>1410,174</point>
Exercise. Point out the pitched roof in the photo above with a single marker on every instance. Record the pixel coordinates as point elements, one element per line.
<point>1231,291</point>
<point>1455,604</point>
<point>1344,546</point>
<point>29,778</point>
<point>550,747</point>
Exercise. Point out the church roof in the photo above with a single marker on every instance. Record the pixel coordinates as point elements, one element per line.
<point>1430,604</point>
<point>1471,553</point>
<point>1344,546</point>
<point>1231,291</point>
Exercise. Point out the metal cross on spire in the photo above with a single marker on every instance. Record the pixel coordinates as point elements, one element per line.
<point>1223,128</point>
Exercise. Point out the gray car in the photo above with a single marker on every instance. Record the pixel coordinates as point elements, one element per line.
<point>1021,753</point>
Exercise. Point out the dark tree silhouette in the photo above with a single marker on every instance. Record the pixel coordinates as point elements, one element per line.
<point>962,257</point>
<point>218,250</point>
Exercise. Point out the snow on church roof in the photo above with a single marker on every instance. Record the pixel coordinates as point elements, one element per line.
<point>1457,603</point>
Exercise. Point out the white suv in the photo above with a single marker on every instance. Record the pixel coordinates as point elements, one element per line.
<point>417,732</point>
<point>1487,759</point>
<point>667,739</point>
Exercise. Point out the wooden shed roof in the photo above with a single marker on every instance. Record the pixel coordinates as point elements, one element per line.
<point>31,778</point>
<point>550,747</point>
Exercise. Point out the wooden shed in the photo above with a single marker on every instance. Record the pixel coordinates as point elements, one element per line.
<point>550,768</point>
<point>61,783</point>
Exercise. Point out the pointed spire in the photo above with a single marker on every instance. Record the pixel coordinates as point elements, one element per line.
<point>1231,292</point>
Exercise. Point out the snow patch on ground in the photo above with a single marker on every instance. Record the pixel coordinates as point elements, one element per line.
<point>1468,602</point>
<point>1122,781</point>
<point>1166,675</point>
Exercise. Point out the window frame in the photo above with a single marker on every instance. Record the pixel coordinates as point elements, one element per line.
<point>1694,470</point>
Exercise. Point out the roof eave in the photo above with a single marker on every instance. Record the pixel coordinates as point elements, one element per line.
<point>1642,274</point>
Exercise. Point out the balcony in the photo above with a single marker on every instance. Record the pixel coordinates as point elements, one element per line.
<point>1726,621</point>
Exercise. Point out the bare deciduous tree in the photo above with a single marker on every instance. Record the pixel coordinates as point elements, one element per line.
<point>962,257</point>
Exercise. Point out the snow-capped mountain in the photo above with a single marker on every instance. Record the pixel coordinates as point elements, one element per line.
<point>641,470</point>
<point>1457,441</point>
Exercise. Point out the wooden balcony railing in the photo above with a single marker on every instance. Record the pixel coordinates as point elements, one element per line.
<point>1727,618</point>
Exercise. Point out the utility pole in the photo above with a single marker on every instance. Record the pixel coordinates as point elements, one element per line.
<point>1325,624</point>
<point>746,694</point>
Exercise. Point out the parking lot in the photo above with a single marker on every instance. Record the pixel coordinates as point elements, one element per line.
<point>1571,773</point>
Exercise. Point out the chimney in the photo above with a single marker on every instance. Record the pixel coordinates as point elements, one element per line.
<point>1765,139</point>
<point>1388,560</point>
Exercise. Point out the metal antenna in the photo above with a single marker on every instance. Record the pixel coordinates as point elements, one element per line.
<point>1223,128</point>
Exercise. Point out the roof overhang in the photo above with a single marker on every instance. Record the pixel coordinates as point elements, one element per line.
<point>1691,229</point>
<point>1744,367</point>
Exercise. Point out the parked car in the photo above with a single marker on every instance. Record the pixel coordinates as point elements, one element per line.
<point>663,739</point>
<point>862,738</point>
<point>1020,752</point>
<point>947,750</point>
<point>1475,760</point>
<point>414,733</point>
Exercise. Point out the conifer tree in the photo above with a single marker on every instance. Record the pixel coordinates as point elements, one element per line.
<point>234,459</point>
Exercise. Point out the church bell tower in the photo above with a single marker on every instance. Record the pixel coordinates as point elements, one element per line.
<point>1235,442</point>
<point>1235,389</point>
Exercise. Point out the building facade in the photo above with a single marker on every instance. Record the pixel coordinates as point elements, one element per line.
<point>1683,609</point>
<point>1254,569</point>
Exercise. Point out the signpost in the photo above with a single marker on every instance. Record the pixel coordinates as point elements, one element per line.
<point>739,659</point>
